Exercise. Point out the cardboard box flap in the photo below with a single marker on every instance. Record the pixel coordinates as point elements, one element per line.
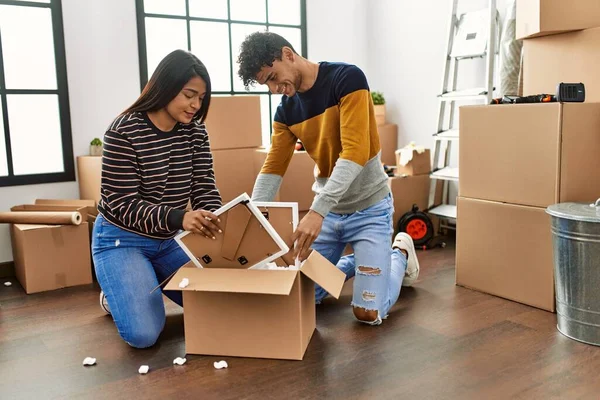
<point>28,227</point>
<point>324,273</point>
<point>61,202</point>
<point>234,281</point>
<point>251,240</point>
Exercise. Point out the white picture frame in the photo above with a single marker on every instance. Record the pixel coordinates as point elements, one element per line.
<point>253,208</point>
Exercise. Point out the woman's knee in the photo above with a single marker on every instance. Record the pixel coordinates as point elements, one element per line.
<point>141,338</point>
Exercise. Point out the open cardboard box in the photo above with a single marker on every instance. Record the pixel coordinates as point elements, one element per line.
<point>234,305</point>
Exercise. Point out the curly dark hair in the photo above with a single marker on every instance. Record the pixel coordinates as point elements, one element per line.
<point>258,50</point>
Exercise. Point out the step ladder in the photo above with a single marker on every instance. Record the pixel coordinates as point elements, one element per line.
<point>472,36</point>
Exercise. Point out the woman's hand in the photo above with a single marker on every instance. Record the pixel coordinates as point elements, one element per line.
<point>202,222</point>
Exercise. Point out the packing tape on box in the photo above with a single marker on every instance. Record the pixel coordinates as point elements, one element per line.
<point>41,217</point>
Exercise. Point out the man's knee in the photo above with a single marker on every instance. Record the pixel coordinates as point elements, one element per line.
<point>368,316</point>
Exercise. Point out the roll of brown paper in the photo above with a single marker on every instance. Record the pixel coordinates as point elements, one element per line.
<point>41,217</point>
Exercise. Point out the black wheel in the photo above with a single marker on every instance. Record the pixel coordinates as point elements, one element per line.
<point>418,226</point>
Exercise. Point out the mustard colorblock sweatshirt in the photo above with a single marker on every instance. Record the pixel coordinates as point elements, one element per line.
<point>335,120</point>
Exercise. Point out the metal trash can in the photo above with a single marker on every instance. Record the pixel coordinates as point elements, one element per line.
<point>576,237</point>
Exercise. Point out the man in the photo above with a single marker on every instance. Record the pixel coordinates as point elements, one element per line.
<point>328,107</point>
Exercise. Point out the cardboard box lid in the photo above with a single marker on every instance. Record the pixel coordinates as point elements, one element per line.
<point>248,239</point>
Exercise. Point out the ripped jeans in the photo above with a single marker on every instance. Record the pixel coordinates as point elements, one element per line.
<point>128,267</point>
<point>377,269</point>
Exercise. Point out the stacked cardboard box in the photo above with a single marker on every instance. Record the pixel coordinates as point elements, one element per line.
<point>234,127</point>
<point>561,44</point>
<point>49,257</point>
<point>297,182</point>
<point>388,138</point>
<point>89,175</point>
<point>515,160</point>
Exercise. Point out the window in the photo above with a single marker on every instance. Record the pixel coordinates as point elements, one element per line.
<point>214,30</point>
<point>35,140</point>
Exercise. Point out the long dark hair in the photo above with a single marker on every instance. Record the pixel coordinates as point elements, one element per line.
<point>169,78</point>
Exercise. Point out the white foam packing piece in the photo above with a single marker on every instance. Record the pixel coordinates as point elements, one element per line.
<point>144,369</point>
<point>184,283</point>
<point>179,361</point>
<point>7,284</point>
<point>89,361</point>
<point>220,364</point>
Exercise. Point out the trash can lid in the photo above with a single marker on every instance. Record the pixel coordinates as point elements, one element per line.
<point>576,211</point>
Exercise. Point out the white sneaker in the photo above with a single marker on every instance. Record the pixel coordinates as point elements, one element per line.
<point>104,303</point>
<point>404,242</point>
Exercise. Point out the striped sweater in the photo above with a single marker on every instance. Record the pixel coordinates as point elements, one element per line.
<point>149,175</point>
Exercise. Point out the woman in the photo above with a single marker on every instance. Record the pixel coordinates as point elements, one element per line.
<point>156,158</point>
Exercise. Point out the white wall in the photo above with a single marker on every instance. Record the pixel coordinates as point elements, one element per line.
<point>103,77</point>
<point>406,55</point>
<point>338,31</point>
<point>398,43</point>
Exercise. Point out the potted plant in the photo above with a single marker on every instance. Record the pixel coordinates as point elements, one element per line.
<point>96,147</point>
<point>379,103</point>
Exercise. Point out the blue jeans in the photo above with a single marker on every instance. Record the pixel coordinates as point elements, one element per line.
<point>128,266</point>
<point>378,270</point>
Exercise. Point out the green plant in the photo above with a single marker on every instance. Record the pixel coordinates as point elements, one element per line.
<point>96,142</point>
<point>378,98</point>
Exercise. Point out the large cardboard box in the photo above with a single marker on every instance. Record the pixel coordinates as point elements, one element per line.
<point>505,250</point>
<point>49,257</point>
<point>89,176</point>
<point>532,154</point>
<point>570,57</point>
<point>91,210</point>
<point>547,17</point>
<point>298,180</point>
<point>234,305</point>
<point>388,138</point>
<point>234,172</point>
<point>234,122</point>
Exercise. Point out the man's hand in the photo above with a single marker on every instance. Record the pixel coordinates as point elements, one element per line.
<point>307,232</point>
<point>202,222</point>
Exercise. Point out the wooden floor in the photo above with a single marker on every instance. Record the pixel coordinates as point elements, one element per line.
<point>440,342</point>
